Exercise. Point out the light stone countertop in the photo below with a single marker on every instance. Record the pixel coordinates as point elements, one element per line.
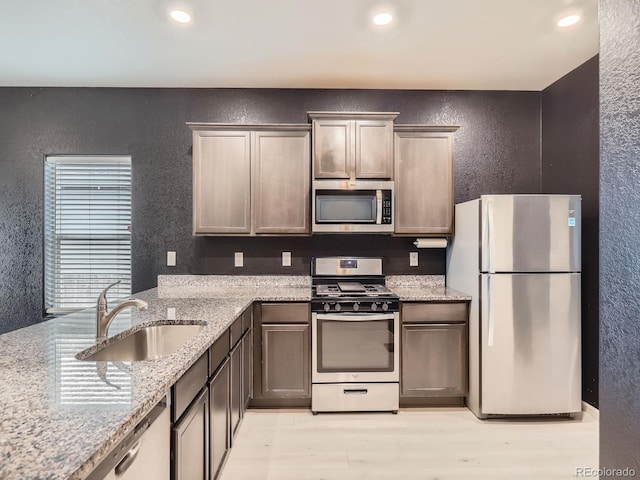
<point>59,419</point>
<point>417,288</point>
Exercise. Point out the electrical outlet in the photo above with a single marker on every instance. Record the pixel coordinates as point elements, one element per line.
<point>413,259</point>
<point>171,259</point>
<point>171,313</point>
<point>239,259</point>
<point>286,259</point>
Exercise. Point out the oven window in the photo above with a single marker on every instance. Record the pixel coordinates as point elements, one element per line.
<point>346,207</point>
<point>345,346</point>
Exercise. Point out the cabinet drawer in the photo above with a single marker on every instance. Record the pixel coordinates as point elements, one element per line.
<point>434,312</point>
<point>185,389</point>
<point>285,313</point>
<point>235,332</point>
<point>218,352</point>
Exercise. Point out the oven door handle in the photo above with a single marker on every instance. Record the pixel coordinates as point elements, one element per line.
<point>355,317</point>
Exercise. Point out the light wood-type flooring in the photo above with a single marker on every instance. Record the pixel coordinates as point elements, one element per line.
<point>439,443</point>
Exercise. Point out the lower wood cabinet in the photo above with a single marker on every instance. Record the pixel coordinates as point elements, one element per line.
<point>434,353</point>
<point>285,365</point>
<point>247,368</point>
<point>434,360</point>
<point>220,425</point>
<point>236,388</point>
<point>282,355</point>
<point>190,441</point>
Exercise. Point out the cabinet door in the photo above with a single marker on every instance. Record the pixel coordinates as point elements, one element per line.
<point>424,182</point>
<point>221,182</point>
<point>434,360</point>
<point>374,149</point>
<point>285,361</point>
<point>219,399</point>
<point>332,149</point>
<point>281,182</point>
<point>191,441</point>
<point>236,388</point>
<point>247,369</point>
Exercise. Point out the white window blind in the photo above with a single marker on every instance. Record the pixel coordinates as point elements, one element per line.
<point>87,230</point>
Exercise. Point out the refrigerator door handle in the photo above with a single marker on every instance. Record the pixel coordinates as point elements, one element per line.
<point>489,314</point>
<point>491,241</point>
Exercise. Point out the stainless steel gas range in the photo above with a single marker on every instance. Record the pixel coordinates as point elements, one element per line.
<point>355,337</point>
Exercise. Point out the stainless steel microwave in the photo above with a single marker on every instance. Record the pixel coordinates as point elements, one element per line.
<point>357,206</point>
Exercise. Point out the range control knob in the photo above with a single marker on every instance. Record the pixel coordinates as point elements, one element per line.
<point>374,306</point>
<point>356,307</point>
<point>338,307</point>
<point>385,307</point>
<point>326,307</point>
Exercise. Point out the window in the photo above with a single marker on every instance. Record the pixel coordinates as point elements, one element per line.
<point>86,230</point>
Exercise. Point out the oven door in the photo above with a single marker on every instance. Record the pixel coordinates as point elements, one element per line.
<point>355,347</point>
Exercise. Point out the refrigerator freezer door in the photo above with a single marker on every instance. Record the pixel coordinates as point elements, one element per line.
<point>530,233</point>
<point>530,344</point>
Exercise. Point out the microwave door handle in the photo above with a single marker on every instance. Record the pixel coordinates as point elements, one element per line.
<point>379,209</point>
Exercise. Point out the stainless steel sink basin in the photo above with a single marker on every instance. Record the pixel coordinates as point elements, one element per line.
<point>150,342</point>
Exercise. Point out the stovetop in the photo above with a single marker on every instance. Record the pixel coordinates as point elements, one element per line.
<point>350,284</point>
<point>351,289</point>
<point>350,297</point>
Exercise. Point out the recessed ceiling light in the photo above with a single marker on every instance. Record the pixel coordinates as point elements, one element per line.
<point>180,16</point>
<point>382,19</point>
<point>568,20</point>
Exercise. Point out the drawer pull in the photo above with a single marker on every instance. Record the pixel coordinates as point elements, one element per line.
<point>359,391</point>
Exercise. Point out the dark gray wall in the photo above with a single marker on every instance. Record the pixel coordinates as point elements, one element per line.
<point>570,162</point>
<point>497,150</point>
<point>619,235</point>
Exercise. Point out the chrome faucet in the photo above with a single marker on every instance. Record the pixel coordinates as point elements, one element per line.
<point>104,319</point>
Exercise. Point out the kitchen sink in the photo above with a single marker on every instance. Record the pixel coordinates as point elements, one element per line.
<point>147,343</point>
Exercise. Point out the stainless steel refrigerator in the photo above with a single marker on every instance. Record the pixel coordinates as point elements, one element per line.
<point>519,257</point>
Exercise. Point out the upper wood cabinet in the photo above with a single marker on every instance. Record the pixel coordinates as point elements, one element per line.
<point>352,145</point>
<point>250,179</point>
<point>281,174</point>
<point>221,182</point>
<point>423,180</point>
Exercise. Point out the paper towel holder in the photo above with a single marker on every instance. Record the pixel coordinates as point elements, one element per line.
<point>430,243</point>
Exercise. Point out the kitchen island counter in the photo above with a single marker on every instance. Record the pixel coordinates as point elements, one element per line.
<point>61,416</point>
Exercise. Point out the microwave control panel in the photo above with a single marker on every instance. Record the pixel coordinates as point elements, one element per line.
<point>386,207</point>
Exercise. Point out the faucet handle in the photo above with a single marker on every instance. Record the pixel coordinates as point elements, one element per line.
<point>102,298</point>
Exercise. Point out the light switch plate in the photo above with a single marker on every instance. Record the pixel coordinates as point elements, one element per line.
<point>171,259</point>
<point>239,259</point>
<point>286,259</point>
<point>171,313</point>
<point>413,259</point>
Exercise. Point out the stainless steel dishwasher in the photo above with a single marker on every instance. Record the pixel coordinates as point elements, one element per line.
<point>143,453</point>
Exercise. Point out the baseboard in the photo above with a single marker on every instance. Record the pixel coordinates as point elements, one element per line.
<point>591,410</point>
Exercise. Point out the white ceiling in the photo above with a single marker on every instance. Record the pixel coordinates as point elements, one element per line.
<point>443,44</point>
